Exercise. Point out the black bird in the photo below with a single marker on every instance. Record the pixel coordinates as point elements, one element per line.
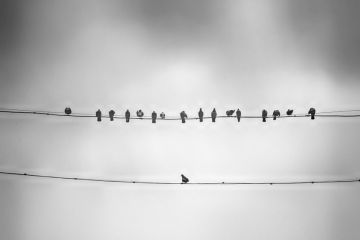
<point>98,115</point>
<point>230,112</point>
<point>289,112</point>
<point>162,115</point>
<point>183,116</point>
<point>238,115</point>
<point>111,115</point>
<point>201,115</point>
<point>276,114</point>
<point>184,179</point>
<point>213,115</point>
<point>312,112</point>
<point>139,113</point>
<point>153,117</point>
<point>67,110</point>
<point>127,115</point>
<point>264,115</point>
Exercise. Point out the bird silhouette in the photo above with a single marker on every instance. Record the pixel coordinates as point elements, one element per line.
<point>184,179</point>
<point>289,112</point>
<point>162,115</point>
<point>183,116</point>
<point>238,115</point>
<point>230,112</point>
<point>111,115</point>
<point>201,115</point>
<point>139,113</point>
<point>312,112</point>
<point>127,115</point>
<point>98,115</point>
<point>213,115</point>
<point>276,114</point>
<point>264,115</point>
<point>67,110</point>
<point>153,117</point>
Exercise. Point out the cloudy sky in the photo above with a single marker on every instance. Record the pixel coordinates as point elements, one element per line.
<point>171,56</point>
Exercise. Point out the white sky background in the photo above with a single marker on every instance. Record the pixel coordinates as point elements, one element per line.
<point>171,56</point>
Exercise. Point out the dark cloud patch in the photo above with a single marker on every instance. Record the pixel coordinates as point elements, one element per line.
<point>329,29</point>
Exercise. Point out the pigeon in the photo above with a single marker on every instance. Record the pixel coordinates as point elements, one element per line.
<point>213,115</point>
<point>162,115</point>
<point>98,115</point>
<point>183,116</point>
<point>153,117</point>
<point>276,113</point>
<point>184,179</point>
<point>127,115</point>
<point>289,112</point>
<point>67,110</point>
<point>139,113</point>
<point>264,115</point>
<point>230,112</point>
<point>312,112</point>
<point>111,115</point>
<point>201,115</point>
<point>238,115</point>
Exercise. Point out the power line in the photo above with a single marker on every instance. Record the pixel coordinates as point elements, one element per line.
<point>88,115</point>
<point>179,183</point>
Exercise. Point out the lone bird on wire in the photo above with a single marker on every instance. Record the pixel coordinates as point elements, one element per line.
<point>184,179</point>
<point>68,111</point>
<point>201,115</point>
<point>230,112</point>
<point>127,115</point>
<point>213,115</point>
<point>276,114</point>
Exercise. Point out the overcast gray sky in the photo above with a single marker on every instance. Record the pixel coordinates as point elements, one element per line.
<point>171,56</point>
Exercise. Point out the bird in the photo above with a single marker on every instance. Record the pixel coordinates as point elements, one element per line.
<point>98,115</point>
<point>162,115</point>
<point>213,115</point>
<point>230,112</point>
<point>276,114</point>
<point>67,110</point>
<point>111,115</point>
<point>238,114</point>
<point>201,115</point>
<point>153,117</point>
<point>312,112</point>
<point>184,179</point>
<point>264,115</point>
<point>127,115</point>
<point>183,116</point>
<point>289,112</point>
<point>139,113</point>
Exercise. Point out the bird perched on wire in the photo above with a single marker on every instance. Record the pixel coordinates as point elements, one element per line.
<point>111,115</point>
<point>153,117</point>
<point>201,115</point>
<point>67,110</point>
<point>127,115</point>
<point>312,112</point>
<point>264,115</point>
<point>213,115</point>
<point>183,116</point>
<point>230,112</point>
<point>238,115</point>
<point>184,179</point>
<point>162,115</point>
<point>98,115</point>
<point>289,112</point>
<point>139,113</point>
<point>276,114</point>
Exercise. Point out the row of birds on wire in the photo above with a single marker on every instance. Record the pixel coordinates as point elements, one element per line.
<point>183,116</point>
